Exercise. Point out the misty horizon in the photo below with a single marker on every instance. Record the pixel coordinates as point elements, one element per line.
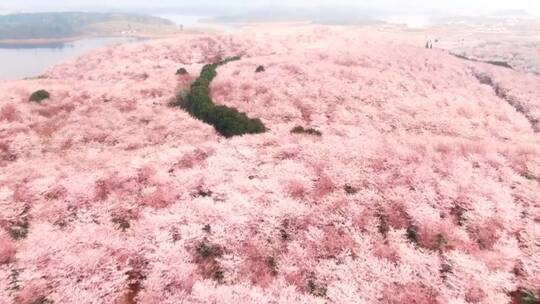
<point>215,8</point>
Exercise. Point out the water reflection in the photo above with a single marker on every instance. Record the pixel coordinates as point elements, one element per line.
<point>19,61</point>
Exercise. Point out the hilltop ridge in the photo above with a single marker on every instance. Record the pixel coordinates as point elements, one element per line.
<point>69,25</point>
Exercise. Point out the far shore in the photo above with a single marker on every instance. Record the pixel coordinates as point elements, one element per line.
<point>57,41</point>
<point>52,41</point>
<point>37,42</point>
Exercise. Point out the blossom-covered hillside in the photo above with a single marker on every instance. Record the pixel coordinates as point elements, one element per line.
<point>423,186</point>
<point>512,41</point>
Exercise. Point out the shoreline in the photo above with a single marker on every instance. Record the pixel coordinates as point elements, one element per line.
<point>36,42</point>
<point>54,41</point>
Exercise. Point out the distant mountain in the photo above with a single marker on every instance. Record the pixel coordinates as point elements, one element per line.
<point>320,15</point>
<point>74,24</point>
<point>511,13</point>
<point>499,17</point>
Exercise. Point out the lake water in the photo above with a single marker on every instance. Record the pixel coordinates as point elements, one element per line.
<point>412,21</point>
<point>21,61</point>
<point>187,21</point>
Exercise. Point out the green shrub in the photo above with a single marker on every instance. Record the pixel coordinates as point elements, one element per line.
<point>219,275</point>
<point>19,229</point>
<point>441,241</point>
<point>528,297</point>
<point>316,289</point>
<point>298,130</point>
<point>350,189</point>
<point>206,250</point>
<point>42,300</point>
<point>207,228</point>
<point>284,234</point>
<point>309,131</point>
<point>445,270</point>
<point>528,175</point>
<point>383,225</point>
<point>227,121</point>
<point>202,193</point>
<point>503,64</point>
<point>230,122</point>
<point>227,60</point>
<point>412,234</point>
<point>525,296</point>
<point>181,71</point>
<point>39,96</point>
<point>121,223</point>
<point>459,213</point>
<point>272,264</point>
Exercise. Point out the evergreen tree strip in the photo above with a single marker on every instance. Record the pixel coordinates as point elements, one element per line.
<point>227,121</point>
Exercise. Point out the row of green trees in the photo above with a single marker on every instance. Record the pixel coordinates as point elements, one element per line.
<point>227,121</point>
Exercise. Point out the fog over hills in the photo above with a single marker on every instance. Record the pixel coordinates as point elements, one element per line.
<point>78,24</point>
<point>214,7</point>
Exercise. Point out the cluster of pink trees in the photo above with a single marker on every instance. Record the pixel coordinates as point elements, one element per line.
<point>423,188</point>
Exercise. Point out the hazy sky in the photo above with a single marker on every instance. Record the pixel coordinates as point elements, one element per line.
<point>399,6</point>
